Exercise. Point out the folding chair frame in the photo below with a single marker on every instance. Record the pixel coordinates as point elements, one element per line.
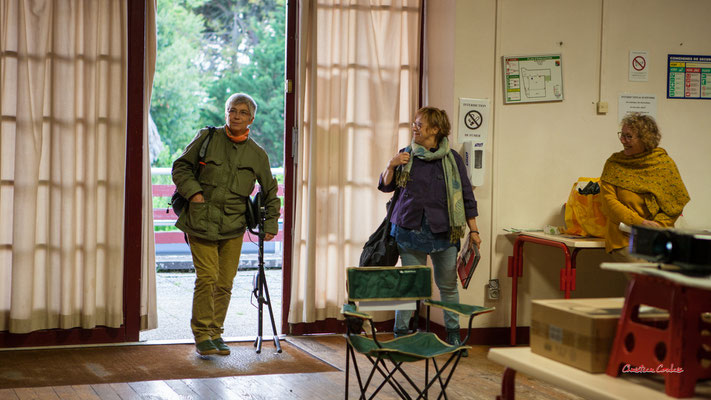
<point>389,374</point>
<point>388,378</point>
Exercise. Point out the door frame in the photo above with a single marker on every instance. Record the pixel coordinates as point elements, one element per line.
<point>290,152</point>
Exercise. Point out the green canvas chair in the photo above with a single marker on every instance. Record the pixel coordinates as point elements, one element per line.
<point>382,288</point>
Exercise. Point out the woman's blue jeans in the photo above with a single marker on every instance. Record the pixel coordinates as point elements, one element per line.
<point>445,274</point>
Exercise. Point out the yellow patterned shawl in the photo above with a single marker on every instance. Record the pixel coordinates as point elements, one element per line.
<point>651,172</point>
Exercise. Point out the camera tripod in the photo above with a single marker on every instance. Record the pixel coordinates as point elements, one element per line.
<point>261,291</point>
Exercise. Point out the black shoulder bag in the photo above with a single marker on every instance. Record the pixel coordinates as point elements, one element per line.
<point>381,248</point>
<point>177,201</point>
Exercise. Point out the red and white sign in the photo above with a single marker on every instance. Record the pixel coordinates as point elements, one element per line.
<point>639,63</point>
<point>639,66</point>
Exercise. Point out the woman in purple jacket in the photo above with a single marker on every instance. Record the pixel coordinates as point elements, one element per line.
<point>435,206</point>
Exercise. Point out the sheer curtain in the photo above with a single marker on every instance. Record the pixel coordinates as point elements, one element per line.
<point>359,78</point>
<point>62,156</point>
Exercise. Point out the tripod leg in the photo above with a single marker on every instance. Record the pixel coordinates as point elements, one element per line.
<point>262,286</point>
<point>260,312</point>
<point>258,344</point>
<point>271,316</point>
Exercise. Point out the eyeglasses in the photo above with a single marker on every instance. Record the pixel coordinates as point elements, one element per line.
<point>417,125</point>
<point>625,136</point>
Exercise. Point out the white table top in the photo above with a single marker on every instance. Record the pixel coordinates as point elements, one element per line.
<point>584,384</point>
<point>569,240</point>
<point>663,271</point>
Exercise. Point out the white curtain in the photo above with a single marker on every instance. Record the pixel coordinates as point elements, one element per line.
<point>62,149</point>
<point>359,76</point>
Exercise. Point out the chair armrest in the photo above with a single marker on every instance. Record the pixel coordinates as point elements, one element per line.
<point>463,309</point>
<point>351,311</point>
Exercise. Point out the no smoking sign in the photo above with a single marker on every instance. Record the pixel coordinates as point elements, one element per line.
<point>638,70</point>
<point>639,63</point>
<point>473,120</point>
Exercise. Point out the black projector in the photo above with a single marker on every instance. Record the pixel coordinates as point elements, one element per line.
<point>690,250</point>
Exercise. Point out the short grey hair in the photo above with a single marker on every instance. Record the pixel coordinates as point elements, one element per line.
<point>241,98</point>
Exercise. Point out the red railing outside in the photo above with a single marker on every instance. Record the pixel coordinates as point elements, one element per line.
<point>164,216</point>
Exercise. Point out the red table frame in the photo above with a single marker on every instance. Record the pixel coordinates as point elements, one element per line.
<point>515,270</point>
<point>682,339</point>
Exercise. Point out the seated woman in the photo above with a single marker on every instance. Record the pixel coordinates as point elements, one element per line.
<point>640,185</point>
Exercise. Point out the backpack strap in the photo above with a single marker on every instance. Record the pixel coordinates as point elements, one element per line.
<point>205,143</point>
<point>178,202</point>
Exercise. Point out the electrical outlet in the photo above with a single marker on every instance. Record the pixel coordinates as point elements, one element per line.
<point>492,289</point>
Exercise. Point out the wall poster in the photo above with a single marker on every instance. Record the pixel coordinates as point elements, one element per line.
<point>688,77</point>
<point>533,78</point>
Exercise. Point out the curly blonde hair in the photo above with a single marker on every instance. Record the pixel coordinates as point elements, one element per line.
<point>645,128</point>
<point>436,118</point>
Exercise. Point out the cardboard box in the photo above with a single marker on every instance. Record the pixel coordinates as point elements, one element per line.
<point>577,332</point>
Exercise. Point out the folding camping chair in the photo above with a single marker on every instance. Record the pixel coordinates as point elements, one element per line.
<point>380,288</point>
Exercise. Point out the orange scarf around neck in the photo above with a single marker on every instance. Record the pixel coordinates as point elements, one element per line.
<point>239,138</point>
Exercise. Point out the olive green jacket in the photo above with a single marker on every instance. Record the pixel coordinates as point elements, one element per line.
<point>226,181</point>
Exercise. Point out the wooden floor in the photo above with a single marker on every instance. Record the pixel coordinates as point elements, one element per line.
<point>475,378</point>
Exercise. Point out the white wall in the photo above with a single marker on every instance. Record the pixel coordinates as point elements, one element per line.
<point>538,150</point>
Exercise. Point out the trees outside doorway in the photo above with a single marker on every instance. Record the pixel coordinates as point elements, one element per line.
<point>208,50</point>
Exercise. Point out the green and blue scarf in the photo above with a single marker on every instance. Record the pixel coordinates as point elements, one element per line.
<point>452,181</point>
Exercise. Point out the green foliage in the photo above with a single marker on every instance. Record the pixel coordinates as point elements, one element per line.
<point>165,157</point>
<point>161,179</point>
<point>208,50</point>
<point>178,85</point>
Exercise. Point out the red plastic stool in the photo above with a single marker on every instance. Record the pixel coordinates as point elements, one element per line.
<point>679,348</point>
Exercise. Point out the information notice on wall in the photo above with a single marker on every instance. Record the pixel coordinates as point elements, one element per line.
<point>688,77</point>
<point>533,78</point>
<point>636,103</point>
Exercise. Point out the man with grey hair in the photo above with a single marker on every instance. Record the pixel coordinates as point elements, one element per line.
<point>215,218</point>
